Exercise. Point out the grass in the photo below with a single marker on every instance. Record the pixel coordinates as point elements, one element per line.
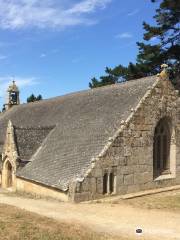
<point>16,224</point>
<point>166,201</point>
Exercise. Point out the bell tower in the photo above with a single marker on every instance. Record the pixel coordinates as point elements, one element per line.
<point>13,96</point>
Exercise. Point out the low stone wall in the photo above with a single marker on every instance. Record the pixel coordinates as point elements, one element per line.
<point>23,185</point>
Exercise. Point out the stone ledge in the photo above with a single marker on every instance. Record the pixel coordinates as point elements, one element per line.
<point>165,176</point>
<point>150,192</point>
<point>111,199</point>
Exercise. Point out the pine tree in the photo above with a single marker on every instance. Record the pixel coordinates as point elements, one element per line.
<point>33,98</point>
<point>150,57</point>
<point>167,31</point>
<point>39,97</point>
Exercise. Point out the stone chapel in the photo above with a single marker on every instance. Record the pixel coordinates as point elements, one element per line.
<point>114,140</point>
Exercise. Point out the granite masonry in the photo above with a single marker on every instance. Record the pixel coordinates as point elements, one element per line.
<point>113,140</point>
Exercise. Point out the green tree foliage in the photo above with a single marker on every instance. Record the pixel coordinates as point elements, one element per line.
<point>33,98</point>
<point>39,97</point>
<point>113,76</point>
<point>167,31</point>
<point>150,57</point>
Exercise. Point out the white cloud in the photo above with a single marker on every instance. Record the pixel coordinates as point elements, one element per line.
<point>18,14</point>
<point>134,12</point>
<point>26,82</point>
<point>124,35</point>
<point>43,55</point>
<point>3,57</point>
<point>21,82</point>
<point>87,6</point>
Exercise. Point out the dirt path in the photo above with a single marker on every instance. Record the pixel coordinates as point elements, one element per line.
<point>111,218</point>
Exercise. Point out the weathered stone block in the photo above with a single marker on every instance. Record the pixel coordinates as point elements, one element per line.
<point>122,189</point>
<point>93,184</point>
<point>127,151</point>
<point>128,179</point>
<point>143,178</point>
<point>99,185</point>
<point>144,159</point>
<point>133,188</point>
<point>86,184</point>
<point>79,197</point>
<point>126,170</point>
<point>98,172</point>
<point>119,180</point>
<point>132,161</point>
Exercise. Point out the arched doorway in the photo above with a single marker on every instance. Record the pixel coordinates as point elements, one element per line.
<point>9,179</point>
<point>161,148</point>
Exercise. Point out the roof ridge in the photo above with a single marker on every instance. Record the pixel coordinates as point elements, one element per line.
<point>81,92</point>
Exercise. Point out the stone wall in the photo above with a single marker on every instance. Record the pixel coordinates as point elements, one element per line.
<point>9,158</point>
<point>23,185</point>
<point>129,154</point>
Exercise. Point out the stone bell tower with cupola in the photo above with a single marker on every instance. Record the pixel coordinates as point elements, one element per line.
<point>13,96</point>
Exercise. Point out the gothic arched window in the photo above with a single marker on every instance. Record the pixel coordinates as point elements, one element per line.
<point>161,148</point>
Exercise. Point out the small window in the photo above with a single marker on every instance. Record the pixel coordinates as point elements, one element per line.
<point>105,183</point>
<point>111,183</point>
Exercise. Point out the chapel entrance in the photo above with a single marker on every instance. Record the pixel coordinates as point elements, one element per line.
<point>8,175</point>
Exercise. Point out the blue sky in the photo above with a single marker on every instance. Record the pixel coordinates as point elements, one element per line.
<point>53,47</point>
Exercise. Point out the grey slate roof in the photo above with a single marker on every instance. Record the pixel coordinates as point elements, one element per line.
<point>84,122</point>
<point>29,139</point>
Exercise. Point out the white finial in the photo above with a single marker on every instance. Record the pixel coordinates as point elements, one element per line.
<point>164,66</point>
<point>164,72</point>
